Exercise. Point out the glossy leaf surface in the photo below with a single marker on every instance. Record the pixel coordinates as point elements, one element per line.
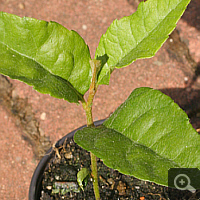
<point>145,137</point>
<point>139,35</point>
<point>45,55</point>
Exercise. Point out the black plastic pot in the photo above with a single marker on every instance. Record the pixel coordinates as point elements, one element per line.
<point>36,182</point>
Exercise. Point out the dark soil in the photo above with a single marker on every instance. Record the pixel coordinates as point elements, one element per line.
<point>113,185</point>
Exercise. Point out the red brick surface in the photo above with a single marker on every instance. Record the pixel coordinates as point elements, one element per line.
<point>90,18</point>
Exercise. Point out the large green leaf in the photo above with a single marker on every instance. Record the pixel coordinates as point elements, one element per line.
<point>145,137</point>
<point>139,35</point>
<point>46,55</point>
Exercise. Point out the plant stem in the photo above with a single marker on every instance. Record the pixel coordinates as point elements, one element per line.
<point>88,111</point>
<point>95,175</point>
<point>87,106</point>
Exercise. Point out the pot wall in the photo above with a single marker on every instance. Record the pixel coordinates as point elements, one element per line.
<point>36,181</point>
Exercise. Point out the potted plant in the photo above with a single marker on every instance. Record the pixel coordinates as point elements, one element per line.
<point>148,134</point>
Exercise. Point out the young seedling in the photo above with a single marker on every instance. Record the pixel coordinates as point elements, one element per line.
<point>148,134</point>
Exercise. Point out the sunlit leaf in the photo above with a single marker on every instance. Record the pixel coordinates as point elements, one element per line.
<point>45,55</point>
<point>145,137</point>
<point>139,35</point>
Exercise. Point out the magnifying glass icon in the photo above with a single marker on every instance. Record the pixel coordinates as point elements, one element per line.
<point>182,182</point>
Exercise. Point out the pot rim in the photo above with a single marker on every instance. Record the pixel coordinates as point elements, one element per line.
<point>36,181</point>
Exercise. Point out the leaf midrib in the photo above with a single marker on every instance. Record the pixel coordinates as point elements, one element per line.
<point>138,43</point>
<point>53,24</point>
<point>146,147</point>
<point>23,55</point>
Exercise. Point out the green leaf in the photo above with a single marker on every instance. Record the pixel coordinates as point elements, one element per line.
<point>45,55</point>
<point>145,137</point>
<point>139,35</point>
<point>82,177</point>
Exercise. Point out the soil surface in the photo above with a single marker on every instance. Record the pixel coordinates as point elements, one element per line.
<point>30,121</point>
<point>60,180</point>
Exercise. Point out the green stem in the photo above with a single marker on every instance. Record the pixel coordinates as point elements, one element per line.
<point>87,106</point>
<point>95,175</point>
